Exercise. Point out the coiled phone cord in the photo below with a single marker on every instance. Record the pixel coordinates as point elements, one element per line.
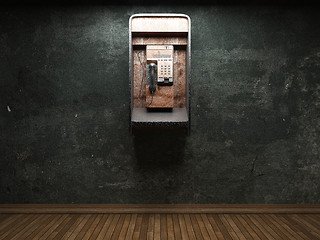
<point>142,75</point>
<point>151,100</point>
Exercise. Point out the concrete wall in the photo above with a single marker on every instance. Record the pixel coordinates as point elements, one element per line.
<point>64,109</point>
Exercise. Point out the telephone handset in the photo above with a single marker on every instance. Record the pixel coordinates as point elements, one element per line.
<point>152,77</point>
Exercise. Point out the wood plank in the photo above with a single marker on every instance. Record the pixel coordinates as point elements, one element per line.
<point>163,227</point>
<point>260,226</point>
<point>303,227</point>
<point>105,227</point>
<point>215,227</point>
<point>47,226</point>
<point>131,226</point>
<point>189,227</point>
<point>31,227</point>
<point>278,226</point>
<point>150,231</point>
<point>268,229</point>
<point>137,228</point>
<point>99,227</point>
<point>307,223</point>
<point>293,233</point>
<point>69,231</point>
<point>294,229</point>
<point>118,227</point>
<point>208,226</point>
<point>234,227</point>
<point>79,227</point>
<point>60,227</point>
<point>125,226</point>
<point>149,235</point>
<point>176,227</point>
<point>183,229</point>
<point>170,227</point>
<point>35,227</point>
<point>19,227</point>
<point>9,221</point>
<point>157,227</point>
<point>5,217</point>
<point>254,227</point>
<point>221,227</point>
<point>54,226</point>
<point>241,227</point>
<point>228,227</point>
<point>112,226</point>
<point>202,227</point>
<point>151,223</point>
<point>86,227</point>
<point>14,224</point>
<point>315,217</point>
<point>43,225</point>
<point>144,226</point>
<point>274,228</point>
<point>93,226</point>
<point>66,227</point>
<point>247,226</point>
<point>195,226</point>
<point>312,218</point>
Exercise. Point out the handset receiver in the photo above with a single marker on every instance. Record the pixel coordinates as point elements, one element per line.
<point>152,77</point>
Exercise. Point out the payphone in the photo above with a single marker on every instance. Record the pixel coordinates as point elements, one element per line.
<point>159,70</point>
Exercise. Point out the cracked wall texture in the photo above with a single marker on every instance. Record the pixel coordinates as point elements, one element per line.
<point>64,109</point>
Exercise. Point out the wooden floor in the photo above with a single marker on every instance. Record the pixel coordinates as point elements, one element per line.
<point>159,226</point>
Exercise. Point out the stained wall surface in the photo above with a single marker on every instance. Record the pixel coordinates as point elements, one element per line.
<point>64,109</point>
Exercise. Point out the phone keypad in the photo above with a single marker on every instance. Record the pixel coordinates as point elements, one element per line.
<point>165,68</point>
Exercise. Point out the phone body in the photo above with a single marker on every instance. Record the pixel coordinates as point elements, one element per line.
<point>159,76</point>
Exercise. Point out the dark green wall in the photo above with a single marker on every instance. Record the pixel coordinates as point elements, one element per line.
<point>64,109</point>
